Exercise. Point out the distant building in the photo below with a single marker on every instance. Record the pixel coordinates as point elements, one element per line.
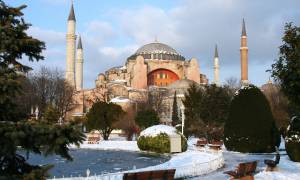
<point>153,67</point>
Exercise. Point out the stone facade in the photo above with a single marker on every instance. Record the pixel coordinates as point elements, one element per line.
<point>155,66</point>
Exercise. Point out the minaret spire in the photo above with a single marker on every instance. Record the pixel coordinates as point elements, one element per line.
<point>79,45</point>
<point>216,51</point>
<point>79,66</point>
<point>70,52</point>
<point>216,67</point>
<point>244,56</point>
<point>72,13</point>
<point>244,33</point>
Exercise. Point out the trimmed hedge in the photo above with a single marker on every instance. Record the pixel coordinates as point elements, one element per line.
<point>159,143</point>
<point>292,140</point>
<point>250,126</point>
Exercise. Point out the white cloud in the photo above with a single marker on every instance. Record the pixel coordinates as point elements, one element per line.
<point>118,53</point>
<point>192,27</point>
<point>57,2</point>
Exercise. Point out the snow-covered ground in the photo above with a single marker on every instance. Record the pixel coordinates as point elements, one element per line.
<point>287,170</point>
<point>190,162</point>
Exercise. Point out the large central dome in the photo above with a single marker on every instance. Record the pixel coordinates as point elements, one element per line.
<point>157,51</point>
<point>156,48</point>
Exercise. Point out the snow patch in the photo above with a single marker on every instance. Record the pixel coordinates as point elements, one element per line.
<point>286,170</point>
<point>158,129</point>
<point>119,100</point>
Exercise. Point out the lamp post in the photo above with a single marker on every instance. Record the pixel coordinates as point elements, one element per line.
<point>60,121</point>
<point>182,118</point>
<point>36,113</point>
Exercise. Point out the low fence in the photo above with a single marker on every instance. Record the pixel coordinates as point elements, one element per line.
<point>189,170</point>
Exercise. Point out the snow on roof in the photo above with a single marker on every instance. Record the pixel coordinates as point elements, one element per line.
<point>157,129</point>
<point>119,100</point>
<point>123,67</point>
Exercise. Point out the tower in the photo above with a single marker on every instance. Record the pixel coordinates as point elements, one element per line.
<point>244,56</point>
<point>71,42</point>
<point>79,66</point>
<point>216,67</point>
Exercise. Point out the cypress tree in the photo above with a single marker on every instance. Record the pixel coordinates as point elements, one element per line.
<point>250,126</point>
<point>175,118</point>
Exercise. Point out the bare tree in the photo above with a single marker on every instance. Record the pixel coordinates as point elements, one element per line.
<point>127,123</point>
<point>48,87</point>
<point>155,100</point>
<point>279,104</point>
<point>233,84</point>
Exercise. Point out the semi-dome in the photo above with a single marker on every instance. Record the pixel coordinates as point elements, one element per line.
<point>157,50</point>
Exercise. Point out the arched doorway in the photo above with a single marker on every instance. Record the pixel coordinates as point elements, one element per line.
<point>161,77</point>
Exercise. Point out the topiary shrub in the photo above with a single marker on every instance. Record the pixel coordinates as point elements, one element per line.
<point>292,140</point>
<point>159,141</point>
<point>250,126</point>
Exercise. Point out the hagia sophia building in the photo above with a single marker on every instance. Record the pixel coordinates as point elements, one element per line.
<point>154,67</point>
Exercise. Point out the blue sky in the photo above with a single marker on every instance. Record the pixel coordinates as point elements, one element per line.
<point>112,30</point>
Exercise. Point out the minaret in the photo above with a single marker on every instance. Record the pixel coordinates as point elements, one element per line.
<point>71,43</point>
<point>244,56</point>
<point>216,67</point>
<point>79,66</point>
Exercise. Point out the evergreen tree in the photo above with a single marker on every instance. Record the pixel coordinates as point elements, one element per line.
<point>146,118</point>
<point>175,118</point>
<point>102,117</point>
<point>51,115</point>
<point>215,104</point>
<point>286,70</point>
<point>192,104</point>
<point>250,126</point>
<point>15,132</point>
<point>206,109</point>
<point>292,140</point>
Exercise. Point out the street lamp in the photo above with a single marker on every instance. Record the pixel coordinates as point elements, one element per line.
<point>182,118</point>
<point>36,113</point>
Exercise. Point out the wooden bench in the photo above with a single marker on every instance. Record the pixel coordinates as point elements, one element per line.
<point>201,142</point>
<point>93,140</point>
<point>151,175</point>
<point>215,145</point>
<point>243,171</point>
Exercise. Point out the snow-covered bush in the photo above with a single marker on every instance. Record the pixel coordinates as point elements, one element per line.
<point>292,140</point>
<point>156,139</point>
<point>250,126</point>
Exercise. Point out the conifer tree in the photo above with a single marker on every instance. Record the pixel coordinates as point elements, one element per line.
<point>175,118</point>
<point>102,116</point>
<point>15,131</point>
<point>286,70</point>
<point>250,126</point>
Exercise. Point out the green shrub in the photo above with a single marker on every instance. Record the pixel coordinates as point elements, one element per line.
<point>292,140</point>
<point>159,143</point>
<point>250,126</point>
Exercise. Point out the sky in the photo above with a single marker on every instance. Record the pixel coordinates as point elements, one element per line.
<point>112,30</point>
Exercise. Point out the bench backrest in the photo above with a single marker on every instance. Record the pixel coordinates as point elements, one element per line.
<point>153,175</point>
<point>250,167</point>
<point>241,169</point>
